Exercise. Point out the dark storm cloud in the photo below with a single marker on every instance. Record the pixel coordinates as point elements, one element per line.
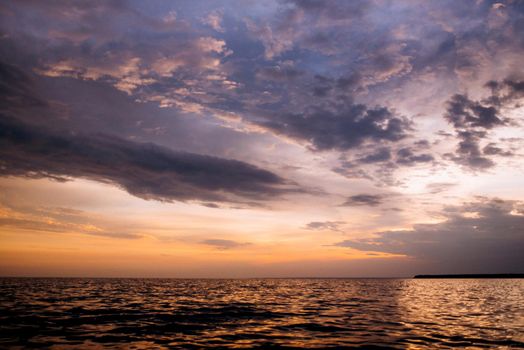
<point>143,169</point>
<point>481,236</point>
<point>223,243</point>
<point>371,200</point>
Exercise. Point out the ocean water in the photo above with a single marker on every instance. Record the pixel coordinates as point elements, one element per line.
<point>263,313</point>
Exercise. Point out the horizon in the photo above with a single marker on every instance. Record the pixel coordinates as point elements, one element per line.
<point>448,276</point>
<point>236,139</point>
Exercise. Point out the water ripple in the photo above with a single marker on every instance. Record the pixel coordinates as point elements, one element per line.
<point>261,313</point>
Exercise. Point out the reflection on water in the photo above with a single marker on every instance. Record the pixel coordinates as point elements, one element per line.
<point>266,313</point>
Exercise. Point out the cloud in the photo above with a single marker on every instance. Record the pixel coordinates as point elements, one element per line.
<point>328,75</point>
<point>380,163</point>
<point>211,205</point>
<point>491,149</point>
<point>371,200</point>
<point>214,20</point>
<point>339,126</point>
<point>465,113</point>
<point>44,144</point>
<point>223,244</point>
<point>112,42</point>
<point>468,151</point>
<point>145,170</point>
<point>506,91</point>
<point>439,187</point>
<point>482,236</point>
<point>307,25</point>
<point>173,63</point>
<point>380,155</point>
<point>16,89</point>
<point>472,121</point>
<point>279,73</point>
<point>325,225</point>
<point>405,156</point>
<point>57,220</point>
<point>332,9</point>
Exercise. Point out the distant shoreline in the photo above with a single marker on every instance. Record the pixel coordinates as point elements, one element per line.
<point>481,275</point>
<point>472,276</point>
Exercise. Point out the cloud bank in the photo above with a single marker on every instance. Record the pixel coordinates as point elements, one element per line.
<point>482,236</point>
<point>145,170</point>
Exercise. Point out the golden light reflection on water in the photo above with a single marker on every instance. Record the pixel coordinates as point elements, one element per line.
<point>292,313</point>
<point>464,309</point>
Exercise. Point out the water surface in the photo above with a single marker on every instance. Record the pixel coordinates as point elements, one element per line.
<point>265,313</point>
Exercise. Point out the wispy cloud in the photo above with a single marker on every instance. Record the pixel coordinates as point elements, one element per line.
<point>223,243</point>
<point>325,225</point>
<point>372,200</point>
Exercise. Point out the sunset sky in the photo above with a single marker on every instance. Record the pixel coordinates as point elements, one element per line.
<point>261,138</point>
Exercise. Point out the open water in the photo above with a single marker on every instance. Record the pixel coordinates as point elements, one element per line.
<point>261,313</point>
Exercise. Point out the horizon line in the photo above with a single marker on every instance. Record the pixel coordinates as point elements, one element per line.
<point>417,276</point>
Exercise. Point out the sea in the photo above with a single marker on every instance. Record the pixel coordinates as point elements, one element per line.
<point>85,313</point>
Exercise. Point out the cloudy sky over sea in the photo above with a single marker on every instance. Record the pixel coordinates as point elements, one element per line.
<point>250,138</point>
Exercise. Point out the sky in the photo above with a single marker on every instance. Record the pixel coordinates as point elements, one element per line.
<point>231,139</point>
